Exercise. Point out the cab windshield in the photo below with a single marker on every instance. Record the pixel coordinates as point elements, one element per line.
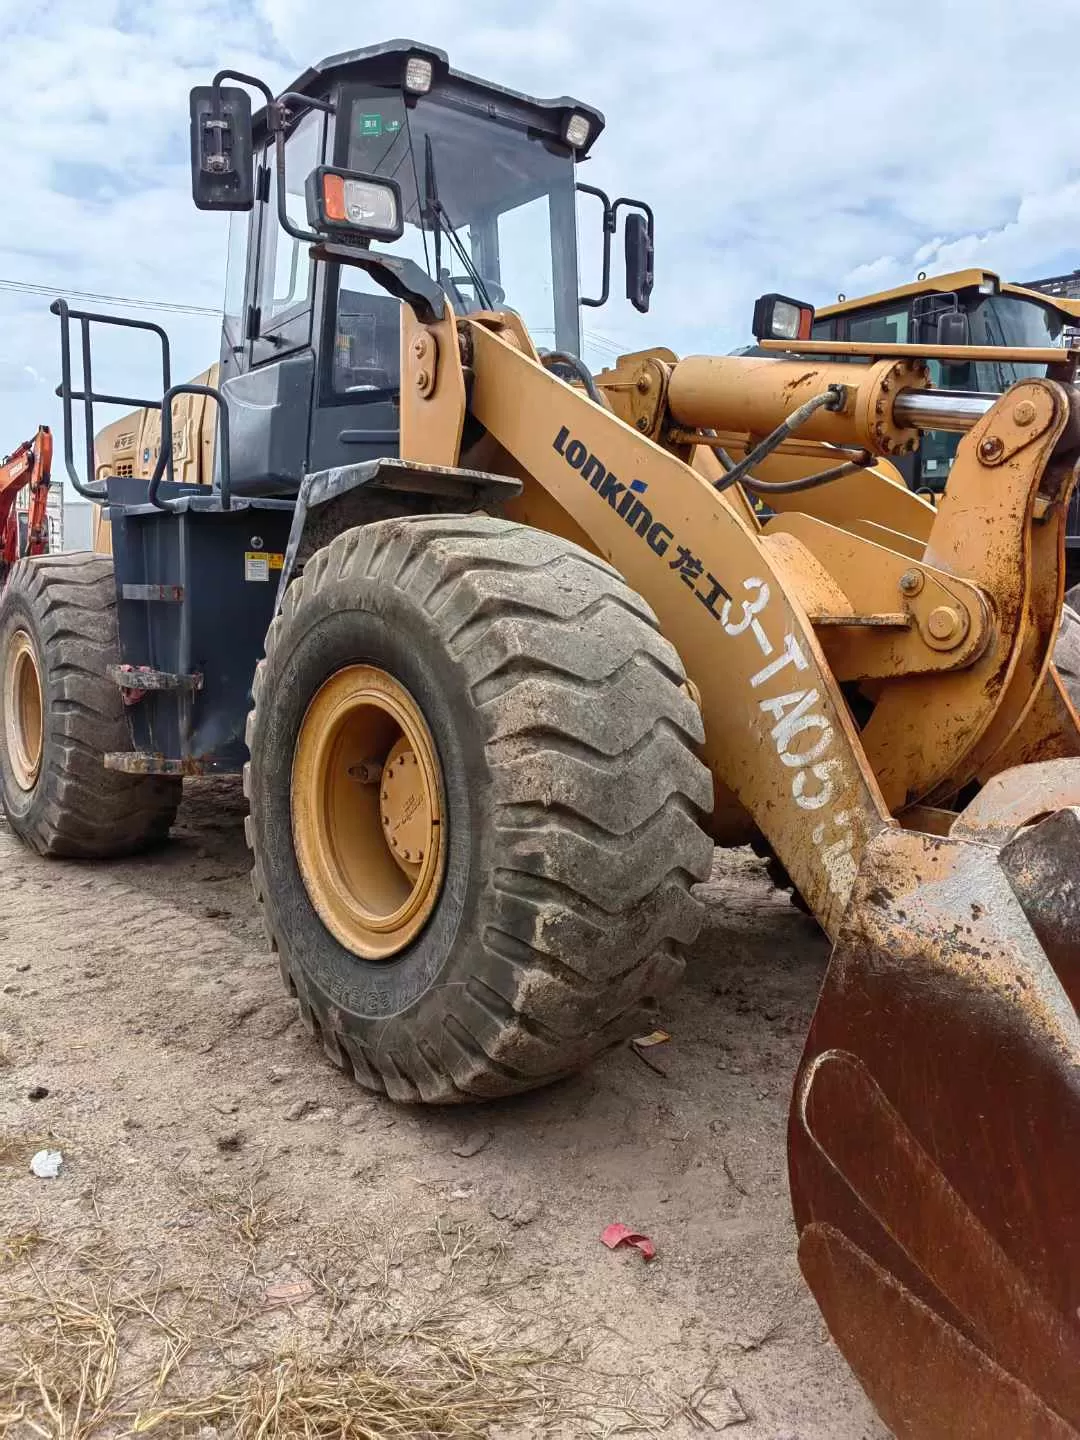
<point>1011,320</point>
<point>995,320</point>
<point>489,213</point>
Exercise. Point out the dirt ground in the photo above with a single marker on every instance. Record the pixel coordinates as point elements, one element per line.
<point>238,1232</point>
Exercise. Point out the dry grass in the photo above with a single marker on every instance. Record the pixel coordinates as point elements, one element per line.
<point>413,1329</point>
<point>16,1247</point>
<point>245,1208</point>
<point>16,1148</point>
<point>359,1397</point>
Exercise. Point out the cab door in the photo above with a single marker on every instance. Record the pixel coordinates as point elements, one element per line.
<point>285,272</point>
<point>271,388</point>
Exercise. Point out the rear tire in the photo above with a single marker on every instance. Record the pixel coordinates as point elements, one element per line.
<point>60,715</point>
<point>571,794</point>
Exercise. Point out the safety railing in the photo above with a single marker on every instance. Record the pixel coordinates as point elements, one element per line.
<point>90,397</point>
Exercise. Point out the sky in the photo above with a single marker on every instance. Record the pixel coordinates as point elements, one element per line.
<point>807,149</point>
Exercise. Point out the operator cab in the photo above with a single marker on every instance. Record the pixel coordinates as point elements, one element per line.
<point>485,180</point>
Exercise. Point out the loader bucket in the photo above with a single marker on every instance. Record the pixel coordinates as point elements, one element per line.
<point>934,1139</point>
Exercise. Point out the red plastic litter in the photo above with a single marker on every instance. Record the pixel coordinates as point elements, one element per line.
<point>616,1235</point>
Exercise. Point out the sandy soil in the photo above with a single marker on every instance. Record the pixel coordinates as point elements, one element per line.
<point>215,1161</point>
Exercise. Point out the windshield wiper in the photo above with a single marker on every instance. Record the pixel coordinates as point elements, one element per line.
<point>431,196</point>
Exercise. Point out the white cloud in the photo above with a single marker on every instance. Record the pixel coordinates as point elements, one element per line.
<point>18,378</point>
<point>807,149</point>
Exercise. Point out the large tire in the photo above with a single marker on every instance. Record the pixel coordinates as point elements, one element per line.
<point>572,797</point>
<point>58,615</point>
<point>1067,653</point>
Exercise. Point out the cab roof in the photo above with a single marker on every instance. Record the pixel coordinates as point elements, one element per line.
<point>955,280</point>
<point>385,64</point>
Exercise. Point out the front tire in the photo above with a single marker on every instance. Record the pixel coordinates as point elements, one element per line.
<point>1067,653</point>
<point>60,715</point>
<point>567,789</point>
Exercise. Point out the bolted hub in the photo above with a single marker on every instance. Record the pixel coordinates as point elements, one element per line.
<point>367,812</point>
<point>404,808</point>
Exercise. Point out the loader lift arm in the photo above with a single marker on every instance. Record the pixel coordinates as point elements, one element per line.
<point>925,1191</point>
<point>29,465</point>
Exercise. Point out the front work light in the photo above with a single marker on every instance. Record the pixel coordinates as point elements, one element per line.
<point>350,203</point>
<point>418,74</point>
<point>577,131</point>
<point>778,317</point>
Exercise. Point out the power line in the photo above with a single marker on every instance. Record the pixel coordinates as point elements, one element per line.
<point>602,342</point>
<point>24,287</point>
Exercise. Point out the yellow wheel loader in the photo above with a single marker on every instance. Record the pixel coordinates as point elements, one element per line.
<point>970,308</point>
<point>504,649</point>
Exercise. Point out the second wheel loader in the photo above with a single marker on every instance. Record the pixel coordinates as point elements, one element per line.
<point>504,649</point>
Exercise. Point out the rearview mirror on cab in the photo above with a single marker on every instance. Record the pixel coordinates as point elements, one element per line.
<point>222,169</point>
<point>637,236</point>
<point>954,328</point>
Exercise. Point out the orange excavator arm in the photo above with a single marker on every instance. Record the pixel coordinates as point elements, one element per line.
<point>29,465</point>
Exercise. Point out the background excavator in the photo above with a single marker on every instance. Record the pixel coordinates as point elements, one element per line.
<point>503,649</point>
<point>28,467</point>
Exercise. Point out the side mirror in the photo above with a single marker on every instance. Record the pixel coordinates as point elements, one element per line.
<point>638,239</point>
<point>222,148</point>
<point>954,328</point>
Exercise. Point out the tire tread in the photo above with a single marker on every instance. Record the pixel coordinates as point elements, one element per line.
<point>86,811</point>
<point>597,795</point>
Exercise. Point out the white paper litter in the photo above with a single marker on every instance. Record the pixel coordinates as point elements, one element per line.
<point>46,1164</point>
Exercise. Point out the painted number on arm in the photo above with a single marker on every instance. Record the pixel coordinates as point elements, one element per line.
<point>800,732</point>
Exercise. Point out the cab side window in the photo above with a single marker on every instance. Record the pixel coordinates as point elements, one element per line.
<point>887,326</point>
<point>286,266</point>
<point>234,319</point>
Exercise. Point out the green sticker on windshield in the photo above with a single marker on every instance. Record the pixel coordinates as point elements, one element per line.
<point>392,126</point>
<point>370,125</point>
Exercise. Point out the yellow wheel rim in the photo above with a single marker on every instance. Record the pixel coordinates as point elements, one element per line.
<point>24,710</point>
<point>367,812</point>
